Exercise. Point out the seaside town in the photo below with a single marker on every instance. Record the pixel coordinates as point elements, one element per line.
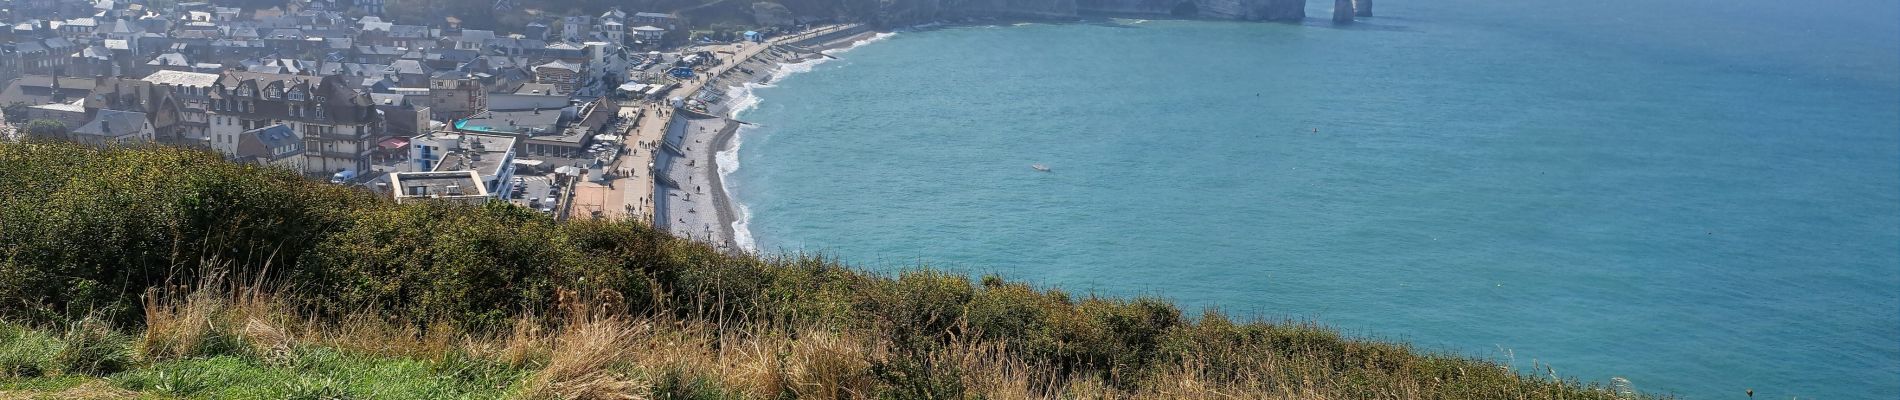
<point>613,115</point>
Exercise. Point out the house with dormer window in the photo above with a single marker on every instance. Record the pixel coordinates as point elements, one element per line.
<point>337,124</point>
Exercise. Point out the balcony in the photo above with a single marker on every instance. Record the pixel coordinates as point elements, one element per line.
<point>337,154</point>
<point>334,136</point>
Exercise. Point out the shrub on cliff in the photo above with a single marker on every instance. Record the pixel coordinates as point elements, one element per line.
<point>44,129</point>
<point>87,231</point>
<point>478,265</point>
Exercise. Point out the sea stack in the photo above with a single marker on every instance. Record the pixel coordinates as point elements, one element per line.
<point>1362,8</point>
<point>1342,11</point>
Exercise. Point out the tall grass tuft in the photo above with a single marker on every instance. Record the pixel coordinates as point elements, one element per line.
<point>92,347</point>
<point>588,360</point>
<point>211,318</point>
<point>26,352</point>
<point>825,365</point>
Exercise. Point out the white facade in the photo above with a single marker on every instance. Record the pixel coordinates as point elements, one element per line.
<point>223,134</point>
<point>490,156</point>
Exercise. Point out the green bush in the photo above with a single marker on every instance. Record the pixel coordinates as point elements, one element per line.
<point>44,129</point>
<point>87,229</point>
<point>919,308</point>
<point>478,266</point>
<point>913,378</point>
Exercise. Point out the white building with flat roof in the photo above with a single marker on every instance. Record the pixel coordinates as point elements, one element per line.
<point>456,186</point>
<point>490,156</point>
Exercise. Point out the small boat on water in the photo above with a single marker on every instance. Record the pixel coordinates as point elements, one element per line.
<point>1039,167</point>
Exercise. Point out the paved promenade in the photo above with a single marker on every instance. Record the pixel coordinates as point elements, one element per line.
<point>631,196</point>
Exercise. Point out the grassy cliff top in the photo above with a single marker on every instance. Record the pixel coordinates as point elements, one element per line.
<point>170,272</point>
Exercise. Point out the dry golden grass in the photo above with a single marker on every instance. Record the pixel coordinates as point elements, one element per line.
<point>526,345</point>
<point>587,361</point>
<point>268,341</point>
<point>88,390</point>
<point>990,371</point>
<point>595,351</point>
<point>176,328</point>
<point>209,321</point>
<point>826,365</point>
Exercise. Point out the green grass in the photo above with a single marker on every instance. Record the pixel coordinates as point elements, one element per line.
<point>310,373</point>
<point>42,384</point>
<point>27,352</point>
<point>313,374</point>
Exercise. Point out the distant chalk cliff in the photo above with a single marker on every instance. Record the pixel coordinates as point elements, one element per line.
<point>1245,10</point>
<point>903,12</point>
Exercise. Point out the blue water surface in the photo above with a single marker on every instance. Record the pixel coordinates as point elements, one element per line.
<point>1699,196</point>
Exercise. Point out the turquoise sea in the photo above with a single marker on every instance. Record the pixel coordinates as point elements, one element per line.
<point>1699,196</point>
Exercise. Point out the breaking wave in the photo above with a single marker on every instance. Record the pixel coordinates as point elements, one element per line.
<point>744,98</point>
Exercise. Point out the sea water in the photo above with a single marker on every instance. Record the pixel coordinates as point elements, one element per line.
<point>1702,197</point>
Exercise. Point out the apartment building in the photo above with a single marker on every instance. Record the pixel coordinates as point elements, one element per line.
<point>337,124</point>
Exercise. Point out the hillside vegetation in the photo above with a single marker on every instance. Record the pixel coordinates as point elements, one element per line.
<point>169,272</point>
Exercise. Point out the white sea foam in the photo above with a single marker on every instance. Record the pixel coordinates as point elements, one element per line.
<point>744,98</point>
<point>740,98</point>
<point>728,162</point>
<point>880,36</point>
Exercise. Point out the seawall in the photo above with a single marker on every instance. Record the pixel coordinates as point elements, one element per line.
<point>828,37</point>
<point>689,196</point>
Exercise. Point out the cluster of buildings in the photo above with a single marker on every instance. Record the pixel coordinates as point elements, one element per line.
<point>434,111</point>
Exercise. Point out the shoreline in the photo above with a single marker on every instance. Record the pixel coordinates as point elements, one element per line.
<point>697,139</point>
<point>728,227</point>
<point>722,201</point>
